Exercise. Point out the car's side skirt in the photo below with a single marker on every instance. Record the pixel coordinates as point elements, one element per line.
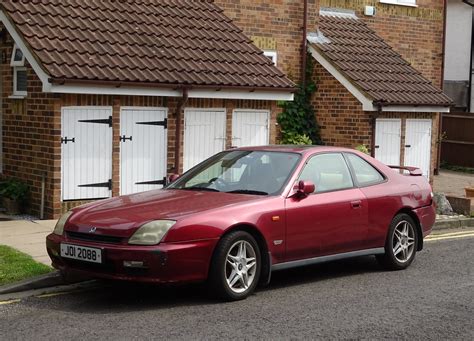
<point>322,259</point>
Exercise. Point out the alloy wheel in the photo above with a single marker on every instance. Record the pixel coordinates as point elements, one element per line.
<point>240,266</point>
<point>403,241</point>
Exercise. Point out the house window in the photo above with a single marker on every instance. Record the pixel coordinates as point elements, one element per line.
<point>411,3</point>
<point>272,55</point>
<point>20,81</point>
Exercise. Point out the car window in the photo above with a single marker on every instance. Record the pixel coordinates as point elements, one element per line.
<point>364,172</point>
<point>328,172</point>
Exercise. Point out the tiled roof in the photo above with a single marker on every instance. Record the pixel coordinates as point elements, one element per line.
<point>169,42</point>
<point>372,65</point>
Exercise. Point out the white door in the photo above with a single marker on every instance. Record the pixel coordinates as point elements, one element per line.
<point>418,144</point>
<point>387,140</point>
<point>204,135</point>
<point>86,147</point>
<point>250,127</point>
<point>143,141</point>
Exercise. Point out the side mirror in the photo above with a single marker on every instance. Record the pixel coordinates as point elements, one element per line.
<point>173,178</point>
<point>305,187</point>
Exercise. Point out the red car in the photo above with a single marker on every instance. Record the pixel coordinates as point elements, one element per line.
<point>243,213</point>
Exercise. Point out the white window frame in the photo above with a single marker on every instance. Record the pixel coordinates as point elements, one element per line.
<point>409,3</point>
<point>17,65</point>
<point>272,55</point>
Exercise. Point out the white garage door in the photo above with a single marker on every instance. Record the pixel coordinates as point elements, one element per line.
<point>250,127</point>
<point>204,134</point>
<point>143,141</point>
<point>387,141</point>
<point>86,147</point>
<point>418,144</point>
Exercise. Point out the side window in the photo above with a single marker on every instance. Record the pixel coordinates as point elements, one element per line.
<point>364,172</point>
<point>328,172</point>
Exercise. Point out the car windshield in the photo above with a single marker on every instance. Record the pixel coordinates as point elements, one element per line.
<point>241,172</point>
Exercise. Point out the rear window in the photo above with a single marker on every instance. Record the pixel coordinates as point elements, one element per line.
<point>364,172</point>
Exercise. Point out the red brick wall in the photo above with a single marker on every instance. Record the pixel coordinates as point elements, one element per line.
<point>278,19</point>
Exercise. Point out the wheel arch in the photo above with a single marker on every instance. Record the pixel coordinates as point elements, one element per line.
<point>409,212</point>
<point>262,244</point>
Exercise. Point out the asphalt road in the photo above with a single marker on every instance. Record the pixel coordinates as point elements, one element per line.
<point>433,299</point>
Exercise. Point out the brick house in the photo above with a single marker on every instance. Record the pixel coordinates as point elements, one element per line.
<point>220,91</point>
<point>391,101</point>
<point>107,98</point>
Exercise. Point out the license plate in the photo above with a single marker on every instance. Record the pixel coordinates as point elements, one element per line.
<point>88,254</point>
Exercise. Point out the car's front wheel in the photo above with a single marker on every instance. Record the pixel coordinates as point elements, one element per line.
<point>236,265</point>
<point>401,243</point>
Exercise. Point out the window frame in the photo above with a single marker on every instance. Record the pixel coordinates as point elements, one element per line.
<point>272,54</point>
<point>399,3</point>
<point>354,184</point>
<point>354,177</point>
<point>14,62</point>
<point>16,92</point>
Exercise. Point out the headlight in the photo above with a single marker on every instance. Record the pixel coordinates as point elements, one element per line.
<point>59,228</point>
<point>151,233</point>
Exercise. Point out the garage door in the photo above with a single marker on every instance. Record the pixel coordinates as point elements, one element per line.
<point>387,141</point>
<point>250,127</point>
<point>143,141</point>
<point>204,135</point>
<point>86,147</point>
<point>418,144</point>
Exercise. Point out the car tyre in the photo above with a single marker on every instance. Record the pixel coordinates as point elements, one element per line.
<point>401,243</point>
<point>235,267</point>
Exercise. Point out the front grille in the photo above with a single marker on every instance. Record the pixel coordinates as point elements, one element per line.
<point>94,237</point>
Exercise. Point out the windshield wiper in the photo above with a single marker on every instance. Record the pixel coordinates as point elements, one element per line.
<point>248,191</point>
<point>200,189</point>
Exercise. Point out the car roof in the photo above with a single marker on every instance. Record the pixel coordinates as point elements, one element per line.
<point>302,149</point>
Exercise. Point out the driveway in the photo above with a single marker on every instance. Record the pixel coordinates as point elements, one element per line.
<point>452,183</point>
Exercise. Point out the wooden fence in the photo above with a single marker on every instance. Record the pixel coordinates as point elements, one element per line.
<point>457,146</point>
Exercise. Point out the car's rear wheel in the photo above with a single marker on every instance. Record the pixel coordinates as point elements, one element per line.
<point>236,266</point>
<point>401,243</point>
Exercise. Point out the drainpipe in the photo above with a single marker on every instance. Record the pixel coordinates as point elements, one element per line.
<point>304,45</point>
<point>177,147</point>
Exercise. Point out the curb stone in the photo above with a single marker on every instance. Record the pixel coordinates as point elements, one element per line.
<point>453,223</point>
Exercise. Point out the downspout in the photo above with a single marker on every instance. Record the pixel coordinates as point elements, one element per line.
<point>304,45</point>
<point>177,147</point>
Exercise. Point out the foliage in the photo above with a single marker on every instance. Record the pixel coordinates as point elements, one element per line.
<point>363,148</point>
<point>14,189</point>
<point>15,266</point>
<point>298,119</point>
<point>461,169</point>
<point>295,138</point>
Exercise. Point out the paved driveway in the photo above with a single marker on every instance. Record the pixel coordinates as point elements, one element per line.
<point>452,183</point>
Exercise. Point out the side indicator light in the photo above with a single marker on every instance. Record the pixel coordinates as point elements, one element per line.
<point>276,218</point>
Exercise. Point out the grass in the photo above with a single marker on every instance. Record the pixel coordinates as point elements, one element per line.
<point>15,266</point>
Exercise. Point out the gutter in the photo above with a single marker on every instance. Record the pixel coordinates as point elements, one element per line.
<point>118,84</point>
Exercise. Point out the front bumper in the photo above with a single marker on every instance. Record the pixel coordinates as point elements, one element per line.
<point>162,263</point>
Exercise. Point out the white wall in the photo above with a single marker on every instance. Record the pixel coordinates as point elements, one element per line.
<point>458,41</point>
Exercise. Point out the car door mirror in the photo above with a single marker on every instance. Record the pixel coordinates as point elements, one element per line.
<point>305,187</point>
<point>173,178</point>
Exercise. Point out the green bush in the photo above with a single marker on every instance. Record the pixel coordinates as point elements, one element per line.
<point>14,189</point>
<point>295,138</point>
<point>362,148</point>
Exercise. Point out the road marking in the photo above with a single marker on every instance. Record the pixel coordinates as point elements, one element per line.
<point>445,237</point>
<point>55,294</point>
<point>9,302</point>
<point>450,234</point>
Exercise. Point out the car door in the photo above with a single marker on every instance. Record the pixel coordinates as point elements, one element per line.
<point>331,220</point>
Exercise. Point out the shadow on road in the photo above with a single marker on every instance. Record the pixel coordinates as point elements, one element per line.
<point>122,297</point>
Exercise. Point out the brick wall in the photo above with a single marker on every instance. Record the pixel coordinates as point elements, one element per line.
<point>280,20</point>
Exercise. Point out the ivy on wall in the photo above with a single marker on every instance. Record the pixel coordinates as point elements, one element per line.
<point>298,120</point>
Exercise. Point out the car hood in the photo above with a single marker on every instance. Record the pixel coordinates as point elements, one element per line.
<point>121,216</point>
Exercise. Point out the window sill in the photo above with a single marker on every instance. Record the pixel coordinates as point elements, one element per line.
<point>394,2</point>
<point>17,97</point>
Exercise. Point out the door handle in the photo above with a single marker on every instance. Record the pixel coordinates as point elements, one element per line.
<point>356,204</point>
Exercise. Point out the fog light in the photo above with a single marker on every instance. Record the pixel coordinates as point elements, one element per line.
<point>133,264</point>
<point>54,252</point>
